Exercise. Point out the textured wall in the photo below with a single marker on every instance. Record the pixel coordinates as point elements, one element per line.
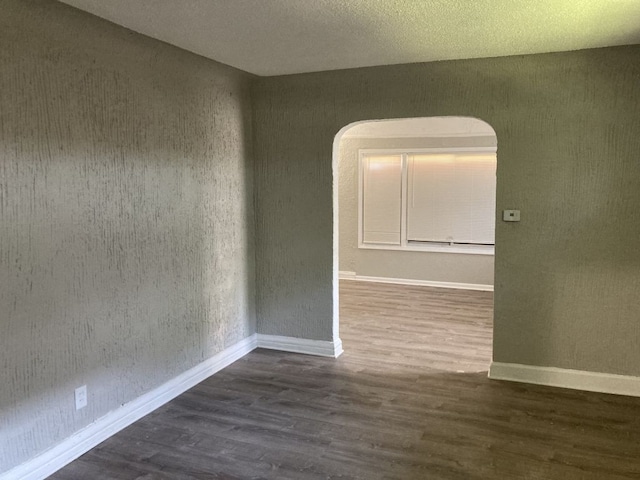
<point>126,218</point>
<point>430,266</point>
<point>567,276</point>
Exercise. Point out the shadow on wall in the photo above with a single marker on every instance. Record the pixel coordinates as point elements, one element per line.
<point>127,218</point>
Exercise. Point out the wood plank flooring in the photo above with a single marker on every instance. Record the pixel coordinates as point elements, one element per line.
<point>409,399</point>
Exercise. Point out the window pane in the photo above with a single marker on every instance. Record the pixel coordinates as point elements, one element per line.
<point>381,199</point>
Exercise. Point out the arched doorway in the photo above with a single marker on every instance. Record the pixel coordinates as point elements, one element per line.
<point>410,150</point>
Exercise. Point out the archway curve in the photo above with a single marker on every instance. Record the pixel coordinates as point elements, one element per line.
<point>420,122</point>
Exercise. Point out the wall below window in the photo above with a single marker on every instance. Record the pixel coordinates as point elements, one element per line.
<point>410,265</point>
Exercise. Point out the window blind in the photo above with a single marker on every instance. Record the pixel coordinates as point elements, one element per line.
<point>382,199</point>
<point>451,198</point>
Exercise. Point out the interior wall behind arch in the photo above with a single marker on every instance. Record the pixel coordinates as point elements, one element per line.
<point>409,265</point>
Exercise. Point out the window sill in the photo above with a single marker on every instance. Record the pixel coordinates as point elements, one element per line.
<point>464,249</point>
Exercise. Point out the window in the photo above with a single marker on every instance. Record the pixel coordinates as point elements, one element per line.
<point>382,194</point>
<point>435,200</point>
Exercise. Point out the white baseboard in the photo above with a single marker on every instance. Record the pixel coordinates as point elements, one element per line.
<point>345,275</point>
<point>84,440</point>
<point>323,348</point>
<point>409,281</point>
<point>567,378</point>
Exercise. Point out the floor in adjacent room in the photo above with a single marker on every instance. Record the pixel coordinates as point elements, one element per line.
<point>409,399</point>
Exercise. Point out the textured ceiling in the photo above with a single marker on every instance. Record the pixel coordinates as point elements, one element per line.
<point>275,37</point>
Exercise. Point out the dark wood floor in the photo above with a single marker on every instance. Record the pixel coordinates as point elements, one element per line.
<point>409,399</point>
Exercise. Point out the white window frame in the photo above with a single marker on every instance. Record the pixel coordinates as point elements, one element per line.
<point>405,245</point>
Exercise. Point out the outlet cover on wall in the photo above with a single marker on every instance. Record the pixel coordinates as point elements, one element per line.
<point>81,397</point>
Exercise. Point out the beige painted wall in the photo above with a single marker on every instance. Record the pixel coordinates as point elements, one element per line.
<point>126,232</point>
<point>425,266</point>
<point>567,276</point>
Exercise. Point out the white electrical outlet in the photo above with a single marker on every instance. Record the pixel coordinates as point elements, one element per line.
<point>81,397</point>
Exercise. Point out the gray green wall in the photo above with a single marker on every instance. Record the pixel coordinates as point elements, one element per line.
<point>411,265</point>
<point>567,276</point>
<point>126,252</point>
